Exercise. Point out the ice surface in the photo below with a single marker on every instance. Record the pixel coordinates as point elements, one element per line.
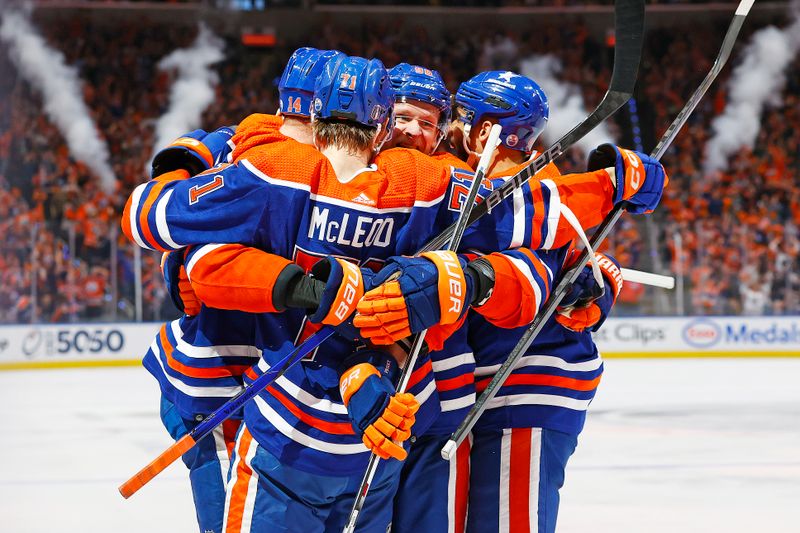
<point>670,445</point>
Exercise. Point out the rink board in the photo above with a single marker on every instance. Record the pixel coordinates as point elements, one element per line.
<point>124,344</point>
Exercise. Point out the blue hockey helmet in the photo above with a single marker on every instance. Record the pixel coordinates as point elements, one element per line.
<point>517,102</point>
<point>356,89</point>
<point>420,84</point>
<point>296,86</point>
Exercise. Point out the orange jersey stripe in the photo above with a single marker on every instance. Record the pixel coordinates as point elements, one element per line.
<point>540,269</point>
<point>419,374</point>
<point>334,428</point>
<point>216,372</point>
<point>239,491</point>
<point>152,196</point>
<point>454,383</point>
<point>462,486</point>
<point>545,380</point>
<point>147,235</point>
<point>538,216</point>
<point>229,429</point>
<point>519,489</point>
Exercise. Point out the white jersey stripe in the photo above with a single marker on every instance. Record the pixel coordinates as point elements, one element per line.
<point>452,477</point>
<point>518,232</point>
<point>197,392</point>
<point>222,451</point>
<point>301,438</point>
<point>538,399</point>
<point>234,476</point>
<point>161,221</point>
<point>553,214</point>
<point>457,403</point>
<point>453,361</point>
<point>303,396</point>
<point>273,181</point>
<point>136,198</point>
<point>336,201</point>
<point>198,255</point>
<point>523,267</point>
<point>207,352</point>
<point>533,492</point>
<point>252,489</point>
<point>504,511</point>
<point>544,360</point>
<point>425,393</point>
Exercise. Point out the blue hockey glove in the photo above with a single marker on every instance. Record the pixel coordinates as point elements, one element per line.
<point>194,152</point>
<point>413,294</point>
<point>586,305</point>
<point>639,179</point>
<point>382,417</point>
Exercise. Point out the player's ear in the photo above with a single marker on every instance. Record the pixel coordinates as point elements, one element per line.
<point>483,132</point>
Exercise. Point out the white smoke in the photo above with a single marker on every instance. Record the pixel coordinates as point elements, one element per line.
<point>193,90</point>
<point>566,102</point>
<point>47,71</point>
<point>756,82</point>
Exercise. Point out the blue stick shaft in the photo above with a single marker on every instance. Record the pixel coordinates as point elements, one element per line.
<point>263,381</point>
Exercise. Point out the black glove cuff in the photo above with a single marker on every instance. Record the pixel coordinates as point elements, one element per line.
<point>176,158</point>
<point>603,156</point>
<point>482,274</point>
<point>298,290</point>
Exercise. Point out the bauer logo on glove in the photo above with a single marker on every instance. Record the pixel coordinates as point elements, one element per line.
<point>414,293</point>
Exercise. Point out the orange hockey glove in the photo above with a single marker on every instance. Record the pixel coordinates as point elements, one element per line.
<point>381,416</point>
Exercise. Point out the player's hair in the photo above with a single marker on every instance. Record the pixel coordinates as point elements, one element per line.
<point>347,135</point>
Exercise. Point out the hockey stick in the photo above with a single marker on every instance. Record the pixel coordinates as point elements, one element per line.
<point>187,442</point>
<point>629,16</point>
<point>648,278</point>
<point>570,275</point>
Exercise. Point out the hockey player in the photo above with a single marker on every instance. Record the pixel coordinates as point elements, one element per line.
<point>188,393</point>
<point>521,446</point>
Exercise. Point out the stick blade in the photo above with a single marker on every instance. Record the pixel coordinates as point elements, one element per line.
<point>156,466</point>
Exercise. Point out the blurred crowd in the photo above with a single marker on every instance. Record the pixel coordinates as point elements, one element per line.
<point>732,235</point>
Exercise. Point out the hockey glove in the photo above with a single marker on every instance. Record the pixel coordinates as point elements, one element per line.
<point>586,305</point>
<point>413,294</point>
<point>194,152</point>
<point>178,285</point>
<point>331,291</point>
<point>638,178</point>
<point>381,416</point>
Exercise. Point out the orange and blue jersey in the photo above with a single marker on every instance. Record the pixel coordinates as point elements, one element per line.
<point>555,380</point>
